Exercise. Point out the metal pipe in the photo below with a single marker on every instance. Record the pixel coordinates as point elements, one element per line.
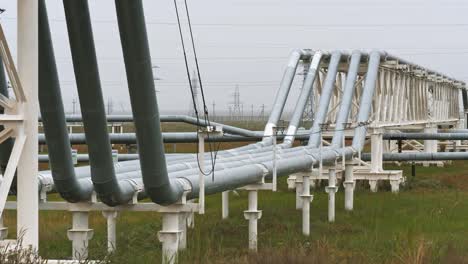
<point>426,136</point>
<point>347,99</point>
<point>133,36</point>
<point>108,189</point>
<point>304,97</point>
<point>52,111</point>
<point>366,100</point>
<point>283,91</point>
<point>420,156</point>
<point>325,97</point>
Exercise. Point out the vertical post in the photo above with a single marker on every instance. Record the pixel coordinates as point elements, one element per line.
<point>111,218</point>
<point>430,146</point>
<point>28,198</point>
<point>306,200</point>
<point>349,187</point>
<point>253,214</point>
<point>299,188</point>
<point>376,150</point>
<point>80,234</point>
<point>201,160</point>
<point>331,190</point>
<point>169,236</point>
<point>275,131</point>
<point>225,204</point>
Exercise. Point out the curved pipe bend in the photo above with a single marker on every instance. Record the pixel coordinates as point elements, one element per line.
<point>50,99</point>
<point>110,191</point>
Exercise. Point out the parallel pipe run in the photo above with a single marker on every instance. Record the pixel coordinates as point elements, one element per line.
<point>304,97</point>
<point>55,129</point>
<point>283,92</point>
<point>347,99</point>
<point>108,189</point>
<point>135,47</point>
<point>366,101</point>
<point>327,92</point>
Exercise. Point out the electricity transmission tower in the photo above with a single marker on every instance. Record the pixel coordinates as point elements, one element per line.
<point>236,105</point>
<point>195,99</point>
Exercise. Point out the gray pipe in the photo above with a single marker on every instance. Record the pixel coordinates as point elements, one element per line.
<point>420,156</point>
<point>283,91</point>
<point>426,136</point>
<point>168,137</point>
<point>133,36</point>
<point>366,100</point>
<point>108,189</point>
<point>347,99</point>
<point>304,97</point>
<point>51,106</point>
<point>325,97</point>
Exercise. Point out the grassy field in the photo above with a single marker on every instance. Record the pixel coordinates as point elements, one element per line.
<point>427,222</point>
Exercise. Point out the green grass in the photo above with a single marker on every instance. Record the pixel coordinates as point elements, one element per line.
<point>427,222</point>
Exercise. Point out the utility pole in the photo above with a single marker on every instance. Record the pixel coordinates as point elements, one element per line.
<point>213,112</point>
<point>262,112</point>
<point>109,106</point>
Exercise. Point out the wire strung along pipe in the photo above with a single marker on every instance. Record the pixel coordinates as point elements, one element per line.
<point>325,97</point>
<point>109,190</point>
<point>366,100</point>
<point>53,118</point>
<point>133,36</point>
<point>304,97</point>
<point>7,145</point>
<point>347,99</point>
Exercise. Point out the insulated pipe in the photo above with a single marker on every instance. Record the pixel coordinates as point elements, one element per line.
<point>108,189</point>
<point>133,36</point>
<point>304,97</point>
<point>282,94</point>
<point>426,136</point>
<point>325,97</point>
<point>366,100</point>
<point>7,145</point>
<point>347,99</point>
<point>51,106</point>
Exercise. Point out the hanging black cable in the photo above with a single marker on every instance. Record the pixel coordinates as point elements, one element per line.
<point>206,118</point>
<point>205,108</point>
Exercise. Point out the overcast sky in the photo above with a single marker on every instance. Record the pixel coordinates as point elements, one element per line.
<point>247,42</point>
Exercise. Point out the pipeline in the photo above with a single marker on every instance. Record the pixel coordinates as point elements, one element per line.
<point>52,111</point>
<point>108,189</point>
<point>135,47</point>
<point>327,91</point>
<point>427,136</point>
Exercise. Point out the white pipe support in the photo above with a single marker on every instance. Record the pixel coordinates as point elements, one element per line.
<point>253,215</point>
<point>183,228</point>
<point>170,237</point>
<point>225,205</point>
<point>111,219</point>
<point>373,184</point>
<point>299,190</point>
<point>377,150</point>
<point>349,185</point>
<point>306,200</point>
<point>80,234</point>
<point>395,185</point>
<point>331,189</point>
